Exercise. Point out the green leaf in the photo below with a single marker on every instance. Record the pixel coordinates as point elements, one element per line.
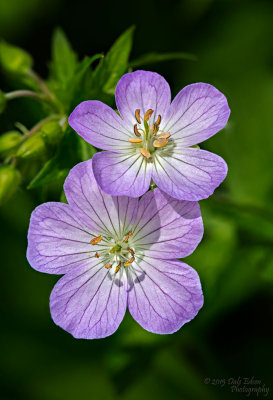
<point>86,150</point>
<point>14,60</point>
<point>76,92</point>
<point>9,182</point>
<point>64,59</point>
<point>267,274</point>
<point>113,65</point>
<point>50,172</point>
<point>2,102</point>
<point>151,58</point>
<point>72,150</point>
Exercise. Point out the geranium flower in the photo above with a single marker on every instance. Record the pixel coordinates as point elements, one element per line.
<point>116,252</point>
<point>153,138</point>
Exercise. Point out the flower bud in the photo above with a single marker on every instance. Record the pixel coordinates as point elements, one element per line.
<point>51,133</point>
<point>2,102</point>
<point>33,147</point>
<point>8,141</point>
<point>9,182</point>
<point>13,59</point>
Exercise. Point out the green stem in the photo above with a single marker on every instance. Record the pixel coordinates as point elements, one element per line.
<point>24,93</point>
<point>44,88</point>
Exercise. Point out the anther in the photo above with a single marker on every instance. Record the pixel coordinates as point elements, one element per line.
<point>145,153</point>
<point>155,128</point>
<point>160,142</point>
<point>95,240</point>
<point>137,133</point>
<point>137,115</point>
<point>108,266</point>
<point>135,140</point>
<point>128,262</point>
<point>118,267</point>
<point>164,135</point>
<point>157,122</point>
<point>97,255</point>
<point>148,114</point>
<point>131,251</point>
<point>127,237</point>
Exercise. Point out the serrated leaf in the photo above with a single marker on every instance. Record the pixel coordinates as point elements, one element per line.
<point>113,65</point>
<point>64,59</point>
<point>151,58</point>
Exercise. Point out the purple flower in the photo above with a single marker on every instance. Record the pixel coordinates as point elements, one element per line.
<point>116,252</point>
<point>153,138</point>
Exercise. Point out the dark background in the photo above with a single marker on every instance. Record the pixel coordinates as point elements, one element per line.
<point>232,335</point>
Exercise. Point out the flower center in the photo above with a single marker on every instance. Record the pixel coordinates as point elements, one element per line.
<point>147,136</point>
<point>114,253</point>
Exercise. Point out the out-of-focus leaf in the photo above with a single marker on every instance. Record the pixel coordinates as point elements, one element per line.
<point>8,141</point>
<point>9,182</point>
<point>267,273</point>
<point>152,58</point>
<point>2,102</point>
<point>13,59</point>
<point>216,249</point>
<point>255,223</point>
<point>112,66</point>
<point>86,150</point>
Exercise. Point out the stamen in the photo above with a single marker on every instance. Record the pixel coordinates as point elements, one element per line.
<point>96,240</point>
<point>137,133</point>
<point>135,140</point>
<point>108,266</point>
<point>127,237</point>
<point>155,129</point>
<point>137,115</point>
<point>97,255</point>
<point>118,267</point>
<point>128,262</point>
<point>148,114</point>
<point>157,122</point>
<point>145,153</point>
<point>132,252</point>
<point>164,135</point>
<point>160,142</point>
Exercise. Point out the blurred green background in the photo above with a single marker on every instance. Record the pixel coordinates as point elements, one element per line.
<point>232,335</point>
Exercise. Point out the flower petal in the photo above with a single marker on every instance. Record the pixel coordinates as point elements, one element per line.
<point>142,90</point>
<point>165,295</point>
<point>87,302</point>
<point>101,126</point>
<point>57,239</point>
<point>197,113</point>
<point>101,212</point>
<point>118,174</point>
<point>166,227</point>
<point>189,174</point>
